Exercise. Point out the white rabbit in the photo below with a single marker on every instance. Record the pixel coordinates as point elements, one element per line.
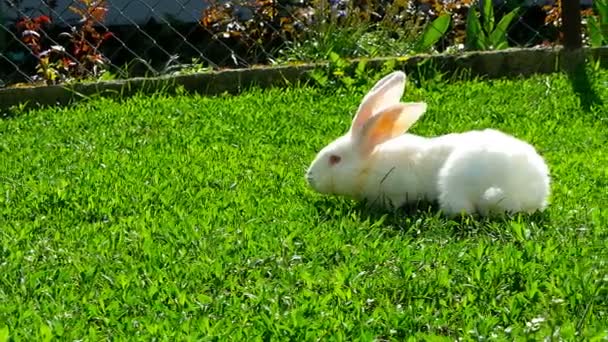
<point>481,172</point>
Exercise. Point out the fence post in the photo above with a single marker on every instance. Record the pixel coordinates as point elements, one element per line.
<point>571,24</point>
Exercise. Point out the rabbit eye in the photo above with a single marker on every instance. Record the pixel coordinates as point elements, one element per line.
<point>334,159</point>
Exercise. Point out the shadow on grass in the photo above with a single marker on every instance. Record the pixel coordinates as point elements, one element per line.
<point>424,219</point>
<point>583,87</point>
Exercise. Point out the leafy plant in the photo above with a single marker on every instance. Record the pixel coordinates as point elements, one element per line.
<point>374,28</point>
<point>457,11</point>
<point>30,32</point>
<point>433,32</point>
<point>86,41</point>
<point>312,29</point>
<point>597,27</point>
<point>340,74</point>
<point>357,40</point>
<point>270,24</point>
<point>332,38</point>
<point>483,34</point>
<point>81,58</point>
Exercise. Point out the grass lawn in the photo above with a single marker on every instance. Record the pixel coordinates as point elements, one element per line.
<point>189,217</point>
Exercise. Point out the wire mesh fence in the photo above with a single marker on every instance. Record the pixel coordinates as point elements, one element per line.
<point>54,41</point>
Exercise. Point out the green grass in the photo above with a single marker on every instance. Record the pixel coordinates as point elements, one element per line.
<point>352,41</point>
<point>188,217</point>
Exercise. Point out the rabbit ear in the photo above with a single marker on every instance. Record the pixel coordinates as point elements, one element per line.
<point>386,92</point>
<point>389,123</point>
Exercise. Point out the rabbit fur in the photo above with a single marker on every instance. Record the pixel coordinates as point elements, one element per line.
<point>475,172</point>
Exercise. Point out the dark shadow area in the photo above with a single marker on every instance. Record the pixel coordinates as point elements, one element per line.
<point>12,112</point>
<point>424,219</point>
<point>583,87</point>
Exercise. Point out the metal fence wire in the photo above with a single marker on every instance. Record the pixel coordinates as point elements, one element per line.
<point>55,41</point>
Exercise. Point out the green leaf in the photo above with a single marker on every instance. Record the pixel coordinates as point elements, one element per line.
<point>434,31</point>
<point>602,335</point>
<point>518,231</point>
<point>475,35</point>
<point>499,35</point>
<point>388,66</point>
<point>501,46</point>
<point>347,81</point>
<point>360,70</point>
<point>320,77</point>
<point>601,7</point>
<point>334,57</point>
<point>4,334</point>
<point>488,16</point>
<point>595,33</point>
<point>46,332</point>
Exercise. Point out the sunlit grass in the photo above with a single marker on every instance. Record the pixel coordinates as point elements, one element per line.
<point>188,217</point>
